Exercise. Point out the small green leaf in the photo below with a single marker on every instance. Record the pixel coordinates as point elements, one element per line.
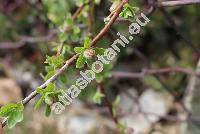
<point>48,100</point>
<point>50,87</point>
<point>117,100</point>
<point>87,42</point>
<point>76,30</point>
<point>63,36</point>
<point>49,75</point>
<point>115,105</point>
<point>153,82</point>
<point>39,102</point>
<point>74,37</point>
<point>69,20</point>
<point>81,2</point>
<point>114,5</point>
<point>56,61</point>
<point>99,51</point>
<point>18,115</point>
<point>14,118</point>
<point>80,61</point>
<point>13,112</point>
<point>122,127</point>
<point>99,77</point>
<point>39,90</point>
<point>7,109</point>
<point>98,97</point>
<point>63,78</point>
<point>47,110</point>
<point>79,49</point>
<point>128,12</point>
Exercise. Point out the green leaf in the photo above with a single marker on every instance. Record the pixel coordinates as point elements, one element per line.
<point>63,36</point>
<point>50,87</point>
<point>128,12</point>
<point>97,2</point>
<point>153,82</point>
<point>48,100</point>
<point>14,118</point>
<point>55,61</point>
<point>116,101</point>
<point>114,5</point>
<point>39,102</point>
<point>76,30</point>
<point>63,78</point>
<point>69,20</point>
<point>89,62</point>
<point>39,90</point>
<point>80,61</point>
<point>115,105</point>
<point>18,115</point>
<point>7,109</point>
<point>49,75</point>
<point>122,127</point>
<point>99,77</point>
<point>14,113</point>
<point>81,2</point>
<point>87,42</point>
<point>74,37</point>
<point>47,110</point>
<point>99,51</point>
<point>98,97</point>
<point>79,49</point>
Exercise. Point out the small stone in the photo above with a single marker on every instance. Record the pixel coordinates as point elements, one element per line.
<point>155,104</point>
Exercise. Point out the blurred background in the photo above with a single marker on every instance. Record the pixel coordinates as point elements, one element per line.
<point>153,84</point>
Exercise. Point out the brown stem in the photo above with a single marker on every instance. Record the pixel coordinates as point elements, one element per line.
<point>108,104</point>
<point>109,24</point>
<point>78,11</point>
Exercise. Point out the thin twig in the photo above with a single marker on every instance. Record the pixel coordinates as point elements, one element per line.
<point>178,31</point>
<point>78,11</point>
<point>75,15</point>
<point>108,104</point>
<point>154,71</point>
<point>107,27</point>
<point>177,3</point>
<point>27,39</point>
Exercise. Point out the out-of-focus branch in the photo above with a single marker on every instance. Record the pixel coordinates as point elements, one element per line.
<point>27,39</point>
<point>154,71</point>
<point>78,11</point>
<point>177,3</point>
<point>108,104</point>
<point>38,10</point>
<point>179,32</point>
